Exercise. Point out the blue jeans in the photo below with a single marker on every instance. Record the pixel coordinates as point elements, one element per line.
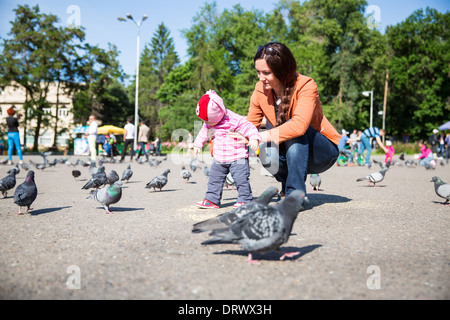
<point>365,144</point>
<point>14,140</point>
<point>293,160</point>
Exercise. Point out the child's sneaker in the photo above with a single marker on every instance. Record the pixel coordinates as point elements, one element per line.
<point>206,204</point>
<point>238,204</point>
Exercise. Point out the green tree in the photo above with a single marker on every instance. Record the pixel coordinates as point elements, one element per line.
<point>34,58</point>
<point>157,61</point>
<point>418,72</point>
<point>97,69</point>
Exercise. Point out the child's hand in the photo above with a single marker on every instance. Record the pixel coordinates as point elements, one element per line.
<point>197,151</point>
<point>254,145</point>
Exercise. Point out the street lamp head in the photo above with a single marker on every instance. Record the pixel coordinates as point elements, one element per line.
<point>144,17</point>
<point>366,93</point>
<point>121,19</point>
<point>129,16</point>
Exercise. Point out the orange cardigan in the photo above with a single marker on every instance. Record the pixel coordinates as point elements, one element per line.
<point>305,110</point>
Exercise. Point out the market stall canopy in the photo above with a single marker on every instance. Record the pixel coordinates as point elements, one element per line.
<point>445,126</point>
<point>81,129</point>
<point>110,128</point>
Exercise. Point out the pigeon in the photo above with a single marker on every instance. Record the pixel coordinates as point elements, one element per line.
<point>193,165</point>
<point>107,195</point>
<point>16,168</point>
<point>226,219</point>
<point>402,156</point>
<point>25,166</point>
<point>185,174</point>
<point>127,173</point>
<point>229,181</point>
<point>76,173</point>
<point>26,192</point>
<point>315,180</point>
<point>112,177</point>
<point>97,180</point>
<point>374,177</point>
<point>158,181</point>
<point>8,182</point>
<point>206,171</point>
<point>264,229</point>
<point>382,164</point>
<point>442,189</point>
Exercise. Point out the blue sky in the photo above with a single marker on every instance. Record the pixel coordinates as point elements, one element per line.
<point>99,17</point>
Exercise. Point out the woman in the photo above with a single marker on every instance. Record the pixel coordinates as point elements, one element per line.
<point>299,140</point>
<point>13,135</point>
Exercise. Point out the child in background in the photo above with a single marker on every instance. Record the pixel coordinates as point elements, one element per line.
<point>229,155</point>
<point>425,155</point>
<point>390,153</point>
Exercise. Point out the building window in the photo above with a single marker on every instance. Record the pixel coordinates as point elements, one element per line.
<point>63,112</point>
<point>47,110</point>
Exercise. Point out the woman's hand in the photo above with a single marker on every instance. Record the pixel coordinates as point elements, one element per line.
<point>238,136</point>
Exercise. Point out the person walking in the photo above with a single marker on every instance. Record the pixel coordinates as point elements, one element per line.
<point>129,140</point>
<point>92,137</point>
<point>372,132</point>
<point>433,141</point>
<point>144,132</point>
<point>13,134</point>
<point>299,139</point>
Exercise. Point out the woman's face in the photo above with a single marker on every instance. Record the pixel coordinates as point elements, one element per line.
<point>267,77</point>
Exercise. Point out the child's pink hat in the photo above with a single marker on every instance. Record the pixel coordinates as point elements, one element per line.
<point>210,107</point>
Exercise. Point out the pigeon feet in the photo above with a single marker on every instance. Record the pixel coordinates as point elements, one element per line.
<point>289,255</point>
<point>251,261</point>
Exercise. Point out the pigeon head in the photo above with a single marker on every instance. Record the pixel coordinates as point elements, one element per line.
<point>437,180</point>
<point>293,203</point>
<point>30,177</point>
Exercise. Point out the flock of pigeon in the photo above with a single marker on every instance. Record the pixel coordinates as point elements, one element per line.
<point>257,226</point>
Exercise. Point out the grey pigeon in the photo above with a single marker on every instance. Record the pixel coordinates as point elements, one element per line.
<point>206,170</point>
<point>25,166</point>
<point>193,165</point>
<point>265,229</point>
<point>185,174</point>
<point>226,219</point>
<point>442,189</point>
<point>382,164</point>
<point>16,168</point>
<point>26,192</point>
<point>158,181</point>
<point>229,181</point>
<point>374,177</point>
<point>98,180</point>
<point>8,182</point>
<point>315,180</point>
<point>126,174</point>
<point>76,173</point>
<point>107,195</point>
<point>112,177</point>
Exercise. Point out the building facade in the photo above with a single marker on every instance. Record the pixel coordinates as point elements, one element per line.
<point>16,95</point>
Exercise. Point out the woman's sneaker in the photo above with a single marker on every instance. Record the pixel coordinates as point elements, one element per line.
<point>206,204</point>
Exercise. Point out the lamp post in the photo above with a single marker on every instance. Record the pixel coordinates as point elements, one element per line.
<point>136,104</point>
<point>366,94</point>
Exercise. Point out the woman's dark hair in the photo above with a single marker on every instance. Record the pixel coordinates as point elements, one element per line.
<point>282,63</point>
